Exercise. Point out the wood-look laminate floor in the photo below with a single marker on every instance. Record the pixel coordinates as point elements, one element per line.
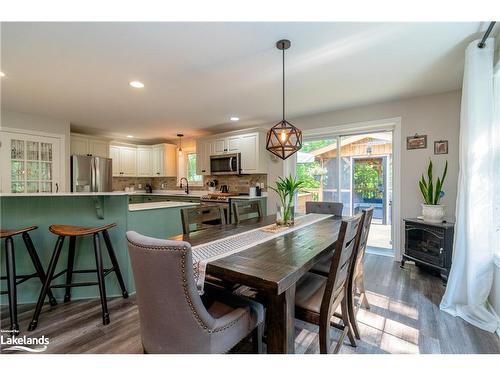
<point>404,318</point>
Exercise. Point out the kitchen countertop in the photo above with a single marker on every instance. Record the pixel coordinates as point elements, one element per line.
<point>194,193</point>
<point>157,205</point>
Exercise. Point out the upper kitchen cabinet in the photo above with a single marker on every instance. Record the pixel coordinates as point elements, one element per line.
<point>144,161</point>
<point>251,146</point>
<point>204,149</point>
<point>226,145</point>
<point>164,160</point>
<point>85,145</point>
<point>124,160</point>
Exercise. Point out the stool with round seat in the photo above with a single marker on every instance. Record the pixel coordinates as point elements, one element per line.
<point>73,232</point>
<point>12,279</point>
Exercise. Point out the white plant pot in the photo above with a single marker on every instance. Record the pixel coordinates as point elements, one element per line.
<point>433,213</point>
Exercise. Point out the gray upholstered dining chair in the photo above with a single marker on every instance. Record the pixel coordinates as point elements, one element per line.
<point>332,208</point>
<point>173,316</point>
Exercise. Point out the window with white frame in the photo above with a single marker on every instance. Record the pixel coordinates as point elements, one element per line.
<point>191,175</point>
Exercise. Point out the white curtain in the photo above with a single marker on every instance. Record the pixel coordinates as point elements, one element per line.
<point>477,225</point>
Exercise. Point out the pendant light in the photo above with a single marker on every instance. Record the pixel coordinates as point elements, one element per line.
<point>180,135</point>
<point>284,139</point>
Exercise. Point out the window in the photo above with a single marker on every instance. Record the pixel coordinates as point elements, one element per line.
<point>191,170</point>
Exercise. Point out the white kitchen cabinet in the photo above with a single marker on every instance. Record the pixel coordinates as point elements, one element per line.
<point>124,160</point>
<point>251,146</point>
<point>85,145</point>
<point>98,148</point>
<point>225,145</point>
<point>203,151</point>
<point>164,160</point>
<point>250,155</point>
<point>219,146</point>
<point>144,161</point>
<point>79,145</point>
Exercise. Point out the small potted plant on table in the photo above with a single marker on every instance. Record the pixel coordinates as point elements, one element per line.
<point>286,188</point>
<point>432,211</point>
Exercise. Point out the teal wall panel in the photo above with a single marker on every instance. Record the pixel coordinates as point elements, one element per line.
<point>43,211</point>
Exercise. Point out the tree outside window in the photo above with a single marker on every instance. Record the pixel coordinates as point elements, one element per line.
<point>191,170</point>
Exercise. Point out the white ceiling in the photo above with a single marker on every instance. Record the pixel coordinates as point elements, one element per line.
<point>197,75</point>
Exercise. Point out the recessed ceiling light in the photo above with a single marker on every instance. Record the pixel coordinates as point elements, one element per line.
<point>136,84</point>
<point>2,74</point>
<point>235,119</point>
<point>130,136</point>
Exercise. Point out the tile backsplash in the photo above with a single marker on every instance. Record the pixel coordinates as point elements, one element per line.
<point>239,184</point>
<point>120,183</point>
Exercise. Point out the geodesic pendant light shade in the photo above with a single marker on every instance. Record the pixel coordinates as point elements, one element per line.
<point>284,139</point>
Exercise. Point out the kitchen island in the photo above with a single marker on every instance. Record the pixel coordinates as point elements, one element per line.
<point>157,219</point>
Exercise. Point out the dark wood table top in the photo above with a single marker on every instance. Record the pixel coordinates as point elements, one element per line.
<point>272,266</point>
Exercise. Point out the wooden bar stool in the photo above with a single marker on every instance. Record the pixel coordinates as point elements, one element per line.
<point>12,279</point>
<point>72,232</point>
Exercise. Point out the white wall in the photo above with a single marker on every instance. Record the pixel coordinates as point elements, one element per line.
<point>17,120</point>
<point>437,116</point>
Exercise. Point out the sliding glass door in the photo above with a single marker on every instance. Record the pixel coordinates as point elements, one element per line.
<point>354,169</point>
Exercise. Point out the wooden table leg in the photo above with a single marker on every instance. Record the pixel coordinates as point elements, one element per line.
<point>280,321</point>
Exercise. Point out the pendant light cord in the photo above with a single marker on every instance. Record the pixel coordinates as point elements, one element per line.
<point>283,81</point>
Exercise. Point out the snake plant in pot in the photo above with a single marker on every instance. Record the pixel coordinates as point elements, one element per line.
<point>286,188</point>
<point>432,193</point>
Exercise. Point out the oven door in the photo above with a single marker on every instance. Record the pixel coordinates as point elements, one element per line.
<point>225,164</point>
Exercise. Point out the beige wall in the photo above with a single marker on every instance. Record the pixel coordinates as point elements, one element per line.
<point>18,120</point>
<point>435,115</point>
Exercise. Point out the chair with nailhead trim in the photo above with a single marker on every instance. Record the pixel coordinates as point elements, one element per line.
<point>174,318</point>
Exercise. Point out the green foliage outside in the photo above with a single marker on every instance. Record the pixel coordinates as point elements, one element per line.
<point>191,169</point>
<point>305,171</point>
<point>367,181</point>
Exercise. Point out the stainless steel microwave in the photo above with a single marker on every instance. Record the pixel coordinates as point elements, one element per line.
<point>225,164</point>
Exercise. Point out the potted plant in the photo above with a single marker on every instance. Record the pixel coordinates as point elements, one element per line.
<point>286,189</point>
<point>432,211</point>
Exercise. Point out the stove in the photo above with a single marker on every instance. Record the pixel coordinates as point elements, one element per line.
<point>215,198</point>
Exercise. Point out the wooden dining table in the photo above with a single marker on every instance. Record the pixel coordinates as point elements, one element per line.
<point>271,268</point>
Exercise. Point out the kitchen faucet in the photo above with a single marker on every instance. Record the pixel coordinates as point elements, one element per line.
<point>186,189</point>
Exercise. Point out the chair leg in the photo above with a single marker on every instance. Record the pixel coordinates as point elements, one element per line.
<point>360,284</point>
<point>11,285</point>
<point>257,334</point>
<point>324,335</point>
<point>69,272</point>
<point>38,265</point>
<point>351,310</point>
<point>46,285</point>
<point>114,262</point>
<point>100,279</point>
<point>345,318</point>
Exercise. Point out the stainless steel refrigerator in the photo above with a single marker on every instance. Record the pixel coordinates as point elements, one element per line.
<point>91,174</point>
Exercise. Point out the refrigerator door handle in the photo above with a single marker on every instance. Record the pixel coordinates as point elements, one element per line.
<point>92,174</point>
<point>97,174</point>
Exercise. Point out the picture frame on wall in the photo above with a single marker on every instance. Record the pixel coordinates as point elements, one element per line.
<point>416,142</point>
<point>440,147</point>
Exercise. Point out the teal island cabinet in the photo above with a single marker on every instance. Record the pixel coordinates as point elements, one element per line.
<point>156,219</point>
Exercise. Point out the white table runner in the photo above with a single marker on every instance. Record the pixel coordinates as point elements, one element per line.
<point>210,251</point>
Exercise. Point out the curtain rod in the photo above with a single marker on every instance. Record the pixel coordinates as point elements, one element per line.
<point>482,43</point>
